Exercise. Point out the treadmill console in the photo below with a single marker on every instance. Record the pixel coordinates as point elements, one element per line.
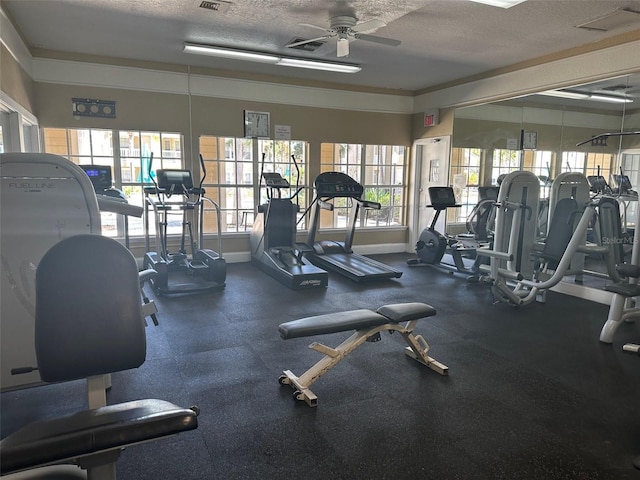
<point>337,184</point>
<point>623,184</point>
<point>275,180</point>
<point>100,176</point>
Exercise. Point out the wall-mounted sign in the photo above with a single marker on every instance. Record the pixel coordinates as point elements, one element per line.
<point>431,118</point>
<point>282,132</point>
<point>90,107</point>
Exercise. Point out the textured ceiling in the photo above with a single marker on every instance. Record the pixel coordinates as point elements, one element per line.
<point>442,40</point>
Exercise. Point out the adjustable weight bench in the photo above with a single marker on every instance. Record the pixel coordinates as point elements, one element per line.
<point>400,317</point>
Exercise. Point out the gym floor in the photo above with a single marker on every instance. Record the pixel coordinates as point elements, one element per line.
<point>531,392</point>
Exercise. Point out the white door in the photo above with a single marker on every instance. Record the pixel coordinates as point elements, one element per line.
<point>432,160</point>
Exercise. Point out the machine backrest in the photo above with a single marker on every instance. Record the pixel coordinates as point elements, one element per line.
<point>44,198</point>
<point>610,225</point>
<point>568,185</point>
<point>518,188</point>
<point>88,313</point>
<point>560,230</point>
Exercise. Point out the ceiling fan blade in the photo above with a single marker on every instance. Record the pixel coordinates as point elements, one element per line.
<point>303,42</point>
<point>391,42</point>
<point>368,26</point>
<point>317,27</point>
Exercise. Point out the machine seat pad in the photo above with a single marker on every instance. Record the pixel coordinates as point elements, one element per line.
<point>92,431</point>
<point>625,289</point>
<point>627,270</point>
<point>331,323</point>
<point>405,312</point>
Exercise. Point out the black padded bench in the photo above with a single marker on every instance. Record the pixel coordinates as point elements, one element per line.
<point>399,317</point>
<point>93,436</point>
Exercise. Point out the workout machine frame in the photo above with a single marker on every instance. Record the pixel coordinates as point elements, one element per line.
<point>205,264</point>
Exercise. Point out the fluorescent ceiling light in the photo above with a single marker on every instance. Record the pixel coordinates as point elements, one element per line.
<point>499,3</point>
<point>586,96</point>
<point>564,94</point>
<point>331,67</point>
<point>230,53</point>
<point>269,58</point>
<point>610,98</point>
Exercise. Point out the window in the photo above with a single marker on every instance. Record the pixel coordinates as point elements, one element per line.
<point>599,162</point>
<point>233,180</point>
<point>380,169</point>
<point>588,163</point>
<point>128,153</point>
<point>539,162</point>
<point>278,158</point>
<point>504,161</point>
<point>465,164</point>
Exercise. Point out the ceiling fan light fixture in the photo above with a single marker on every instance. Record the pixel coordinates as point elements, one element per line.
<point>230,53</point>
<point>314,65</point>
<point>343,47</point>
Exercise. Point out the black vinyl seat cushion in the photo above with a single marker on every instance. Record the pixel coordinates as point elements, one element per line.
<point>92,431</point>
<point>355,320</point>
<point>331,323</point>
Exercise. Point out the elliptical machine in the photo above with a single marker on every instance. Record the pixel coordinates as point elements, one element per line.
<point>274,249</point>
<point>204,269</point>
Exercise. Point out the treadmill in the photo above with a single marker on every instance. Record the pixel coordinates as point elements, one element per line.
<point>338,256</point>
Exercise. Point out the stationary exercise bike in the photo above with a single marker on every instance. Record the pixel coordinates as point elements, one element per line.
<point>204,269</point>
<point>432,245</point>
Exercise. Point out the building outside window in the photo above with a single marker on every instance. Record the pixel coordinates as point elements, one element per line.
<point>381,171</point>
<point>234,166</point>
<point>466,167</point>
<point>128,153</point>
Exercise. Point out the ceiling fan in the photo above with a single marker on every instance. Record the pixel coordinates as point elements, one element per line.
<point>346,28</point>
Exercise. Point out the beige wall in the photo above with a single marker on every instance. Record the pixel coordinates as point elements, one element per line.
<point>15,82</point>
<point>444,127</point>
<point>224,117</point>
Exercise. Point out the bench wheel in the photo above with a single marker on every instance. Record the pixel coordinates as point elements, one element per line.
<point>283,380</point>
<point>298,395</point>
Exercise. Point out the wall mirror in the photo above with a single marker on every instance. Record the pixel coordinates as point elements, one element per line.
<point>555,128</point>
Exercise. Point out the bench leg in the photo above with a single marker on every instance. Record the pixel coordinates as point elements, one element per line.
<point>332,357</point>
<point>418,349</point>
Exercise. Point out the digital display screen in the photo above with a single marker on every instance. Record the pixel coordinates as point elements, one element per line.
<point>175,178</point>
<point>100,176</point>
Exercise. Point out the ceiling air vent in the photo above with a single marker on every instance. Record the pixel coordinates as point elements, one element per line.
<point>612,21</point>
<point>307,47</point>
<point>216,6</point>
